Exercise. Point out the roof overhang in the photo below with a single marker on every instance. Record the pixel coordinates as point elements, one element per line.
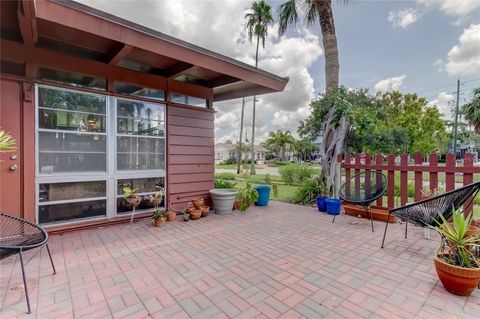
<point>84,33</point>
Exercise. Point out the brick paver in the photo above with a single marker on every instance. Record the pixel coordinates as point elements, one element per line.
<point>280,261</point>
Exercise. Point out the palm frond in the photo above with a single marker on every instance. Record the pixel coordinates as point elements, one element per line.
<point>7,143</point>
<point>287,15</point>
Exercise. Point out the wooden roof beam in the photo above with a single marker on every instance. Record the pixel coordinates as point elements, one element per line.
<point>222,80</point>
<point>117,52</point>
<point>27,22</point>
<point>177,69</point>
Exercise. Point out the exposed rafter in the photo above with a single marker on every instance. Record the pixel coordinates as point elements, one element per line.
<point>222,80</point>
<point>177,70</point>
<point>27,22</point>
<point>118,52</point>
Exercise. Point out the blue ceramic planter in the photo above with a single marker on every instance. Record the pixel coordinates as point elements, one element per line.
<point>333,206</point>
<point>263,195</point>
<point>322,206</point>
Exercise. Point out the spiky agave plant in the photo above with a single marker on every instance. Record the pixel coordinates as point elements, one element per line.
<point>456,245</point>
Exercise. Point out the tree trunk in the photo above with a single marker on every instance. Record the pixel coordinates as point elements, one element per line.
<point>334,137</point>
<point>252,168</point>
<point>239,160</point>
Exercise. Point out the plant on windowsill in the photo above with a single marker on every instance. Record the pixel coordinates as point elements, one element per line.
<point>246,196</point>
<point>455,262</point>
<point>159,217</point>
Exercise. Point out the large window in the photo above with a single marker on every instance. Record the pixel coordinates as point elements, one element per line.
<point>87,145</point>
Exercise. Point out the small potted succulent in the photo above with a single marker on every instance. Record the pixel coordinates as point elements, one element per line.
<point>159,217</point>
<point>186,216</point>
<point>457,266</point>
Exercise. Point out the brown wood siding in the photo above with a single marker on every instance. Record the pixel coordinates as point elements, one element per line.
<point>190,166</point>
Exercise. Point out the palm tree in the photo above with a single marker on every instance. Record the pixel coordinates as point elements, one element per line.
<point>278,141</point>
<point>334,130</point>
<point>257,25</point>
<point>471,110</point>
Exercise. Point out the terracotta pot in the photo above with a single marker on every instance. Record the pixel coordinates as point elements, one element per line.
<point>457,280</point>
<point>205,210</point>
<point>198,202</point>
<point>159,222</point>
<point>191,209</point>
<point>171,216</point>
<point>471,230</point>
<point>134,200</point>
<point>196,214</point>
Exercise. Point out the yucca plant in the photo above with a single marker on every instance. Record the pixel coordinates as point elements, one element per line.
<point>7,143</point>
<point>456,247</point>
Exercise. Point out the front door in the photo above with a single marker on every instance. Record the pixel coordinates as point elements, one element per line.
<point>10,168</point>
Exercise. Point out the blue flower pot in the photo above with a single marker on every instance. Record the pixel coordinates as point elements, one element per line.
<point>333,206</point>
<point>322,206</point>
<point>263,195</point>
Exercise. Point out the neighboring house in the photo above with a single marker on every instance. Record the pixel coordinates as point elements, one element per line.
<point>318,142</point>
<point>96,102</point>
<point>225,151</point>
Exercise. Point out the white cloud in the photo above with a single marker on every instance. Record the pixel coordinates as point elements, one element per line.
<point>289,56</point>
<point>464,58</point>
<point>390,84</point>
<point>455,8</point>
<point>403,18</point>
<point>443,102</point>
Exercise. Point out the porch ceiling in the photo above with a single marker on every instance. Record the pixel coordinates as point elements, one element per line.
<point>83,32</point>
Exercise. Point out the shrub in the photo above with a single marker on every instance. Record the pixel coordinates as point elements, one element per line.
<point>309,190</point>
<point>226,176</point>
<point>296,173</point>
<point>220,183</point>
<point>230,161</point>
<point>269,157</point>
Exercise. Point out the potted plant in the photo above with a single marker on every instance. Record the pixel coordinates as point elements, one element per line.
<point>223,200</point>
<point>247,195</point>
<point>159,217</point>
<point>455,262</point>
<point>132,198</point>
<point>186,216</point>
<point>264,191</point>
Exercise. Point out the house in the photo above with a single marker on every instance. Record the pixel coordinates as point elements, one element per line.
<point>96,103</point>
<point>226,151</point>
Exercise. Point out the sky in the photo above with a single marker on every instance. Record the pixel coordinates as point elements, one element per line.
<point>420,46</point>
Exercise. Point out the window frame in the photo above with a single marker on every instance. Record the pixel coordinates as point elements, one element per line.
<point>111,174</point>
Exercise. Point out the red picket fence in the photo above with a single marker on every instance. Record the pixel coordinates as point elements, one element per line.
<point>389,165</point>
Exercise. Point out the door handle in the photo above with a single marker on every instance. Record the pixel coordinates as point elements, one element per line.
<point>13,167</point>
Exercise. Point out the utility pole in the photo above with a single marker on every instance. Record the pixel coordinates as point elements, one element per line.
<point>456,121</point>
<point>239,161</point>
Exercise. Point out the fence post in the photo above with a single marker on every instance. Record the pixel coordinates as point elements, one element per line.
<point>368,177</point>
<point>378,166</point>
<point>418,176</point>
<point>347,173</point>
<point>357,178</point>
<point>433,160</point>
<point>450,172</point>
<point>403,179</point>
<point>468,178</point>
<point>391,181</point>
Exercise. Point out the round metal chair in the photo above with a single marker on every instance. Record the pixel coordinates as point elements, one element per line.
<point>363,189</point>
<point>18,235</point>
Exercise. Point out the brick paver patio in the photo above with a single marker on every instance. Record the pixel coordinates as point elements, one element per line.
<point>282,261</point>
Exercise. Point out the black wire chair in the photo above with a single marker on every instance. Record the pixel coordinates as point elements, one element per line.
<point>18,235</point>
<point>426,212</point>
<point>363,189</point>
